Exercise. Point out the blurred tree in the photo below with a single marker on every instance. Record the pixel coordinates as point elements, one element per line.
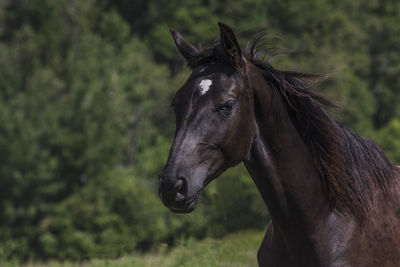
<point>381,24</point>
<point>389,139</point>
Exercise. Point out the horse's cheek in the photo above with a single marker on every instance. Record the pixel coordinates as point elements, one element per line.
<point>238,143</point>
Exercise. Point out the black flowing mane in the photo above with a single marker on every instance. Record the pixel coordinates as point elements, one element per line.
<point>350,166</point>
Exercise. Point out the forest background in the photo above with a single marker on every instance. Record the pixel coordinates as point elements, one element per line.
<point>86,123</point>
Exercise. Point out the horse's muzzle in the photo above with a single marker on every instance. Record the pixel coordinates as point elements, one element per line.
<point>173,193</point>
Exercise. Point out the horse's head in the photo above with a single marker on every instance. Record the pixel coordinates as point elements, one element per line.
<point>214,120</point>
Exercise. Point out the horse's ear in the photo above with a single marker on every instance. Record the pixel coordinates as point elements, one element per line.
<point>187,50</point>
<point>231,47</point>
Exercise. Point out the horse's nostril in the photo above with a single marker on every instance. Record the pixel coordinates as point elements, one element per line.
<point>179,197</point>
<point>180,185</point>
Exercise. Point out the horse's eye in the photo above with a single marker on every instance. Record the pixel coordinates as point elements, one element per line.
<point>228,105</point>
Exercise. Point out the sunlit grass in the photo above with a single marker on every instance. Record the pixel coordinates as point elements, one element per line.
<point>236,249</point>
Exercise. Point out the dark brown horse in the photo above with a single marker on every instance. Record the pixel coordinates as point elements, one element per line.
<point>333,196</point>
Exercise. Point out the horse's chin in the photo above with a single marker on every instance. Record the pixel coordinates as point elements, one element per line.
<point>186,207</point>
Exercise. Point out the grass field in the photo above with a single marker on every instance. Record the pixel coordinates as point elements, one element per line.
<point>236,249</point>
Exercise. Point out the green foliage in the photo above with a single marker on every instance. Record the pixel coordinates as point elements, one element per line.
<point>230,213</point>
<point>85,123</point>
<point>389,139</point>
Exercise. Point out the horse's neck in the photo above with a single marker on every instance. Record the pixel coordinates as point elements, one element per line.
<point>282,168</point>
<point>285,176</point>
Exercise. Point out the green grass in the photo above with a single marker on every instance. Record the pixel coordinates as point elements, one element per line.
<point>236,249</point>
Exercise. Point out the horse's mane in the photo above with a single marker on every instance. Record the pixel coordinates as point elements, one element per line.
<point>350,167</point>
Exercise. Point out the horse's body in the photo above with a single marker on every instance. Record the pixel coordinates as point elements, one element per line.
<point>304,230</point>
<point>333,197</point>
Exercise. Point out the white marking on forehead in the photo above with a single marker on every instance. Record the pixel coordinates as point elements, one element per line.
<point>205,86</point>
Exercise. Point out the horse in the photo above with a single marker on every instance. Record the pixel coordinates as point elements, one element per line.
<point>333,196</point>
